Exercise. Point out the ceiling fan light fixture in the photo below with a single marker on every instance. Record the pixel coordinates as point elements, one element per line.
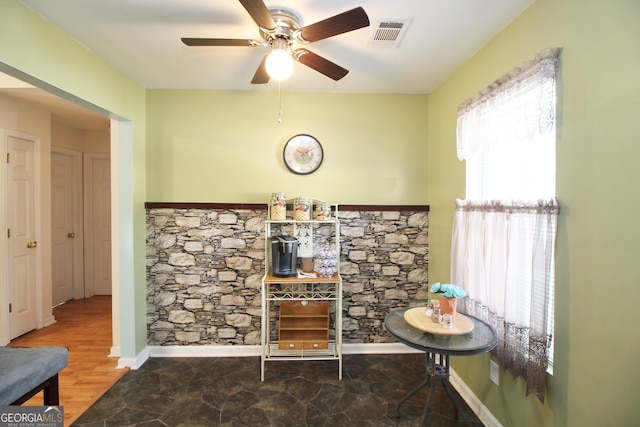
<point>279,64</point>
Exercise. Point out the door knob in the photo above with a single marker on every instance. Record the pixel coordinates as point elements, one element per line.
<point>32,245</point>
<point>71,235</point>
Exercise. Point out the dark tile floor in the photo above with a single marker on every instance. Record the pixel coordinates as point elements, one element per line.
<point>228,392</point>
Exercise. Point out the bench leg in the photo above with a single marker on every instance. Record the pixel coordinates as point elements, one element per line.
<point>51,392</point>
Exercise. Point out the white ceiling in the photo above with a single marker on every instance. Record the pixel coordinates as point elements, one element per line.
<point>142,39</point>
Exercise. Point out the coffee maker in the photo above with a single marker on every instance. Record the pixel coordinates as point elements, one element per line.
<point>283,256</point>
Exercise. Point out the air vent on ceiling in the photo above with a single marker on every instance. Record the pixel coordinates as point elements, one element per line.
<point>389,32</point>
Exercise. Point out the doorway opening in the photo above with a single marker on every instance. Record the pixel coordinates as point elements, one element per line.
<point>120,210</point>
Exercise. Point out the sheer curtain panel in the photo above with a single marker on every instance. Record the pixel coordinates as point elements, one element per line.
<point>503,255</point>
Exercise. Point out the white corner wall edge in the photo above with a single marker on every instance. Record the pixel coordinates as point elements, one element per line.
<point>461,387</point>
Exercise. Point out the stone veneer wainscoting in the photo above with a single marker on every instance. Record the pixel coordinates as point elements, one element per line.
<point>205,263</point>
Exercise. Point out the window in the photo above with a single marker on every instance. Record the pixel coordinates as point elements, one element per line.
<point>525,171</point>
<point>503,242</point>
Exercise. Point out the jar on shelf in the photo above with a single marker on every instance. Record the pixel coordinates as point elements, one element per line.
<point>302,209</point>
<point>323,211</point>
<point>278,207</point>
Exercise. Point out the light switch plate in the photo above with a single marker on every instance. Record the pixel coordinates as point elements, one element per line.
<point>494,372</point>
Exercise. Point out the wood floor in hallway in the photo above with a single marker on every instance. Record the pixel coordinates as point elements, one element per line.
<point>83,326</point>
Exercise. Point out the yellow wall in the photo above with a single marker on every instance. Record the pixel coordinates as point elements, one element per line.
<point>596,379</point>
<point>213,146</point>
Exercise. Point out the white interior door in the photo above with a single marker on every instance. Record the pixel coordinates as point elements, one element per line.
<point>97,201</point>
<point>63,229</point>
<point>22,243</point>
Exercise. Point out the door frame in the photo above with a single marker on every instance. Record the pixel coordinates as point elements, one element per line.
<point>4,241</point>
<point>78,219</point>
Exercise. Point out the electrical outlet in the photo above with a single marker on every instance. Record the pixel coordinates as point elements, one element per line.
<point>494,372</point>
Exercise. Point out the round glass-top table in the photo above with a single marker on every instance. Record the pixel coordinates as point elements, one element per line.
<point>438,349</point>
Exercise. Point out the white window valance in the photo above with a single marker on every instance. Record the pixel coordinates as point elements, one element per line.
<point>521,103</point>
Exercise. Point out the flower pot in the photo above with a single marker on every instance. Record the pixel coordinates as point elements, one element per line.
<point>448,306</point>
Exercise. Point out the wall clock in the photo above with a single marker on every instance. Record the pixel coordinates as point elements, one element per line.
<point>303,154</point>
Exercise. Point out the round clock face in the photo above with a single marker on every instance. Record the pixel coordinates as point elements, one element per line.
<point>303,154</point>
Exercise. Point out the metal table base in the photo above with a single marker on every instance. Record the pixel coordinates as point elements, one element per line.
<point>437,369</point>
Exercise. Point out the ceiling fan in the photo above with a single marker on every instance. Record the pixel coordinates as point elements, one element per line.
<point>280,30</point>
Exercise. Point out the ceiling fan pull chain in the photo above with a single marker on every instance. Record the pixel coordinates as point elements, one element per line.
<point>279,103</point>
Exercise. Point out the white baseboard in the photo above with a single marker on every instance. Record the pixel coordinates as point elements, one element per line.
<point>256,350</point>
<point>465,392</point>
<point>133,362</point>
<point>377,348</point>
<point>49,321</point>
<point>114,351</point>
<point>472,400</point>
<point>205,351</point>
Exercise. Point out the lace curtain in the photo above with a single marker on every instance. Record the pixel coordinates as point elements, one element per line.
<point>516,107</point>
<point>503,255</point>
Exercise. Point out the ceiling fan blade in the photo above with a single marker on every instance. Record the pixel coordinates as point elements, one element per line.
<point>320,64</point>
<point>259,12</point>
<point>261,76</point>
<point>338,24</point>
<point>219,42</point>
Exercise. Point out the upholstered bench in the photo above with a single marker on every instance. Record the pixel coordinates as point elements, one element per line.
<point>26,371</point>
